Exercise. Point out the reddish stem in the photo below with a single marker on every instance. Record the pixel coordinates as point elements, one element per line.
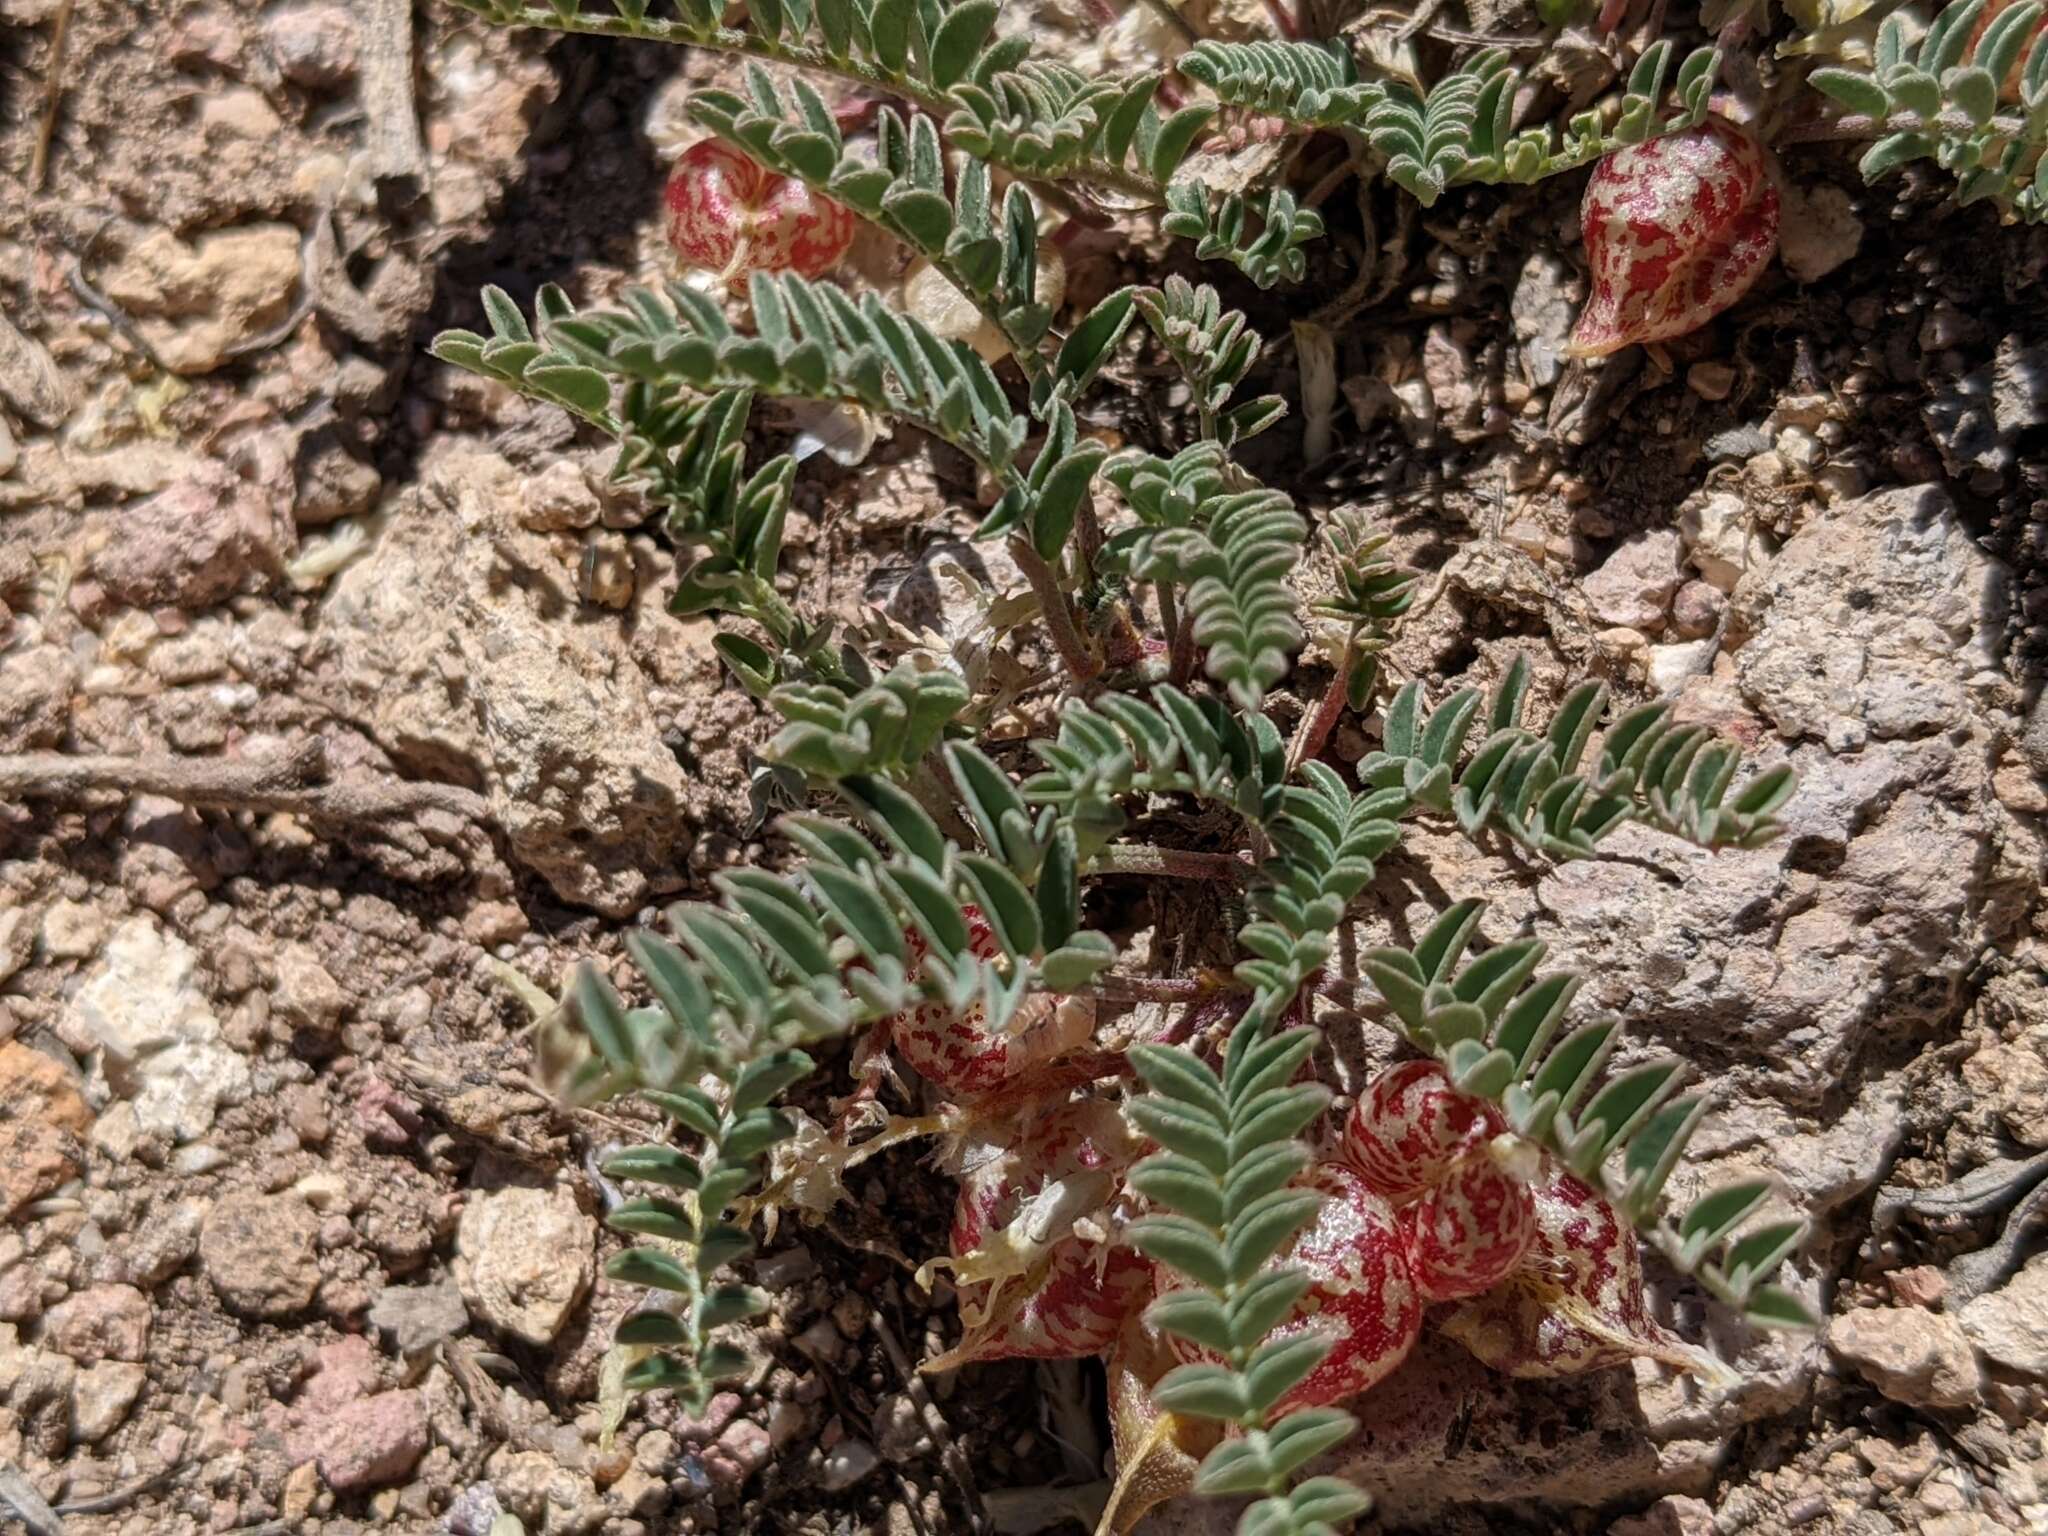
<point>1315,730</point>
<point>1181,661</point>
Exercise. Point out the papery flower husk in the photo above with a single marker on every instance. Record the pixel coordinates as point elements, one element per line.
<point>1039,1272</point>
<point>1157,1452</point>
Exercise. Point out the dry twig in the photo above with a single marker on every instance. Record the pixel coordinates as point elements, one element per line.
<point>297,784</point>
<point>396,153</point>
<point>951,1455</point>
<point>53,94</point>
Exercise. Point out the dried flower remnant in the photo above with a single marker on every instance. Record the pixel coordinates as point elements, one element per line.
<point>729,216</point>
<point>1033,1217</point>
<point>1676,231</point>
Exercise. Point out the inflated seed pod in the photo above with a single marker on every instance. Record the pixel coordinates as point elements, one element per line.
<point>1676,231</point>
<point>1410,1126</point>
<point>1360,1292</point>
<point>966,1059</point>
<point>730,216</point>
<point>1073,1298</point>
<point>1576,1302</point>
<point>2009,87</point>
<point>1470,1231</point>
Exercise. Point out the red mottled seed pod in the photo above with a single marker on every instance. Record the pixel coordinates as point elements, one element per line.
<point>1360,1292</point>
<point>1576,1302</point>
<point>1410,1126</point>
<point>966,1058</point>
<point>2009,87</point>
<point>728,215</point>
<point>1676,231</point>
<point>1085,1290</point>
<point>1469,1233</point>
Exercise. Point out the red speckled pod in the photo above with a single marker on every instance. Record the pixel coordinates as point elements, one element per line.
<point>961,1054</point>
<point>1577,1302</point>
<point>1360,1291</point>
<point>1470,1232</point>
<point>1410,1126</point>
<point>1676,231</point>
<point>1084,1290</point>
<point>728,215</point>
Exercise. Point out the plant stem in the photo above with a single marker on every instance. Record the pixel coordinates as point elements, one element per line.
<point>1953,124</point>
<point>1087,538</point>
<point>1169,613</point>
<point>1150,989</point>
<point>1177,863</point>
<point>1083,666</point>
<point>1171,15</point>
<point>934,791</point>
<point>1181,660</point>
<point>1315,729</point>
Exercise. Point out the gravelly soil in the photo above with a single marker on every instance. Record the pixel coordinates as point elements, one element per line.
<point>254,1300</point>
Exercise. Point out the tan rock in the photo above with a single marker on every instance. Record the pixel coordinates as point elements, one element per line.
<point>158,1039</point>
<point>108,1322</point>
<point>463,674</point>
<point>1634,585</point>
<point>261,1254</point>
<point>42,1117</point>
<point>2010,1325</point>
<point>307,994</point>
<point>524,1258</point>
<point>2009,1080</point>
<point>101,1397</point>
<point>195,302</point>
<point>1919,1358</point>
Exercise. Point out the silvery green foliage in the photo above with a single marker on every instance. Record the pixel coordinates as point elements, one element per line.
<point>1229,543</point>
<point>886,728</point>
<point>780,963</point>
<point>1462,130</point>
<point>1213,348</point>
<point>1544,793</point>
<point>987,249</point>
<point>1223,1185</point>
<point>1371,593</point>
<point>1941,102</point>
<point>1119,746</point>
<point>671,379</point>
<point>874,919</point>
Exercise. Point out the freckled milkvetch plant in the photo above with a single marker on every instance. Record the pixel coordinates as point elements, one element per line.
<point>1244,1267</point>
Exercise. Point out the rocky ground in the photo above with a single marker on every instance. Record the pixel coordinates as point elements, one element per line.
<point>294,1239</point>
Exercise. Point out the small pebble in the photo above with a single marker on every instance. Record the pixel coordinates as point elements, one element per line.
<point>848,1463</point>
<point>1710,380</point>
